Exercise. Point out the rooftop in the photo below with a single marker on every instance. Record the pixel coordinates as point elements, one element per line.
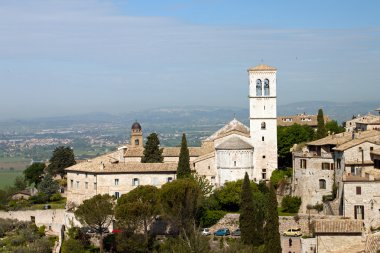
<point>341,226</point>
<point>234,143</point>
<point>232,126</point>
<point>301,119</point>
<point>262,67</point>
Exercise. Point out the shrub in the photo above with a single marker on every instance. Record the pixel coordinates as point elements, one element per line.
<point>56,197</point>
<point>211,217</point>
<point>291,204</point>
<point>279,176</point>
<point>72,246</point>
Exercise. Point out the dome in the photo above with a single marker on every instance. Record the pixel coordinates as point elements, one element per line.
<point>136,126</point>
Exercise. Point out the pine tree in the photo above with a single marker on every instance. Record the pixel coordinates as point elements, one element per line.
<point>248,210</point>
<point>152,152</point>
<point>183,169</point>
<point>321,129</point>
<point>62,158</point>
<point>272,236</point>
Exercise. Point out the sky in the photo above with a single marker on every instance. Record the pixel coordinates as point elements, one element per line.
<point>77,56</point>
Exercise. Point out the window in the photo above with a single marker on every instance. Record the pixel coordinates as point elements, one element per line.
<point>136,142</point>
<point>71,183</point>
<point>95,186</point>
<point>371,148</point>
<point>235,163</point>
<point>322,184</point>
<point>77,184</point>
<point>86,185</point>
<point>259,87</point>
<point>213,180</point>
<point>135,182</point>
<point>116,181</point>
<point>266,87</point>
<point>117,195</point>
<point>303,163</point>
<point>263,125</point>
<point>332,166</point>
<point>262,138</point>
<point>359,212</point>
<point>86,175</point>
<point>325,166</point>
<point>264,174</point>
<point>376,163</point>
<point>358,190</point>
<point>169,179</point>
<point>209,167</point>
<point>338,163</point>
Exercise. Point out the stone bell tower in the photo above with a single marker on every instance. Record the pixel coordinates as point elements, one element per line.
<point>263,120</point>
<point>136,135</point>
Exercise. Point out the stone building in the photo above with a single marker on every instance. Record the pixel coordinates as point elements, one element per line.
<point>321,164</point>
<point>225,156</point>
<point>363,123</point>
<point>300,119</point>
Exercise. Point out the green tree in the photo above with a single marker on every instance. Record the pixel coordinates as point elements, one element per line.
<point>333,127</point>
<point>183,169</point>
<point>152,151</point>
<point>72,246</point>
<point>180,200</point>
<point>138,207</point>
<point>33,173</point>
<point>272,236</point>
<point>291,204</point>
<point>19,183</point>
<point>250,223</point>
<point>203,183</point>
<point>62,158</point>
<point>97,213</point>
<point>48,186</point>
<point>321,129</point>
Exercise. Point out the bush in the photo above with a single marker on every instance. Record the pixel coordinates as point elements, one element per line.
<point>291,204</point>
<point>72,246</point>
<point>279,176</point>
<point>56,197</point>
<point>211,217</point>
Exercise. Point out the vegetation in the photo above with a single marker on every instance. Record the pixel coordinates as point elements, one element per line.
<point>333,128</point>
<point>211,217</point>
<point>97,213</point>
<point>183,169</point>
<point>62,158</point>
<point>272,236</point>
<point>34,173</point>
<point>279,176</point>
<point>321,129</point>
<point>152,151</point>
<point>291,204</point>
<point>47,188</point>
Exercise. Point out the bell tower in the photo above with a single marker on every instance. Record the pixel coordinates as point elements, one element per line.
<point>136,135</point>
<point>263,119</point>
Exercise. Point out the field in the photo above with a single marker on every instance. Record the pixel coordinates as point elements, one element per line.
<point>7,177</point>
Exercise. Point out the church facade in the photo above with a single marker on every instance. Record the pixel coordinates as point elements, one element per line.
<point>224,156</point>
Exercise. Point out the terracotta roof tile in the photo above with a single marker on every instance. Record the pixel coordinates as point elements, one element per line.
<point>262,67</point>
<point>234,126</point>
<point>342,226</point>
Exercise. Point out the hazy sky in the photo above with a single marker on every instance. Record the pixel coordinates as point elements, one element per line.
<point>74,56</point>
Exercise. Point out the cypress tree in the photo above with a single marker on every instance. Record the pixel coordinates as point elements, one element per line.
<point>183,169</point>
<point>272,235</point>
<point>152,152</point>
<point>247,222</point>
<point>321,129</point>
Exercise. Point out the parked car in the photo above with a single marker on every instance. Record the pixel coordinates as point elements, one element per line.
<point>222,232</point>
<point>206,231</point>
<point>293,232</point>
<point>236,232</point>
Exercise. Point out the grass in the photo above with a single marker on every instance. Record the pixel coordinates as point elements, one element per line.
<point>281,213</point>
<point>8,177</point>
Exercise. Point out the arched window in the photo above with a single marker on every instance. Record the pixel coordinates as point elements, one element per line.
<point>259,87</point>
<point>266,87</point>
<point>263,125</point>
<point>322,184</point>
<point>136,142</point>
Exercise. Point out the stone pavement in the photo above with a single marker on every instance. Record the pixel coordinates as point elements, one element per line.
<point>296,244</point>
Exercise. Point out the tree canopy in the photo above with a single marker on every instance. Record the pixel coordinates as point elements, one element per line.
<point>183,169</point>
<point>152,151</point>
<point>333,127</point>
<point>48,186</point>
<point>97,213</point>
<point>272,235</point>
<point>321,129</point>
<point>62,158</point>
<point>33,173</point>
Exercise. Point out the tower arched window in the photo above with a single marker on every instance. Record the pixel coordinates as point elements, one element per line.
<point>263,125</point>
<point>266,87</point>
<point>259,87</point>
<point>137,142</point>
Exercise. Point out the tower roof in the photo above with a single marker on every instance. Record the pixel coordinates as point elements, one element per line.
<point>262,67</point>
<point>136,126</point>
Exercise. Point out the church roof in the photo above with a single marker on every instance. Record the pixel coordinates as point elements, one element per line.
<point>233,126</point>
<point>262,67</point>
<point>109,164</point>
<point>234,143</point>
<point>166,152</point>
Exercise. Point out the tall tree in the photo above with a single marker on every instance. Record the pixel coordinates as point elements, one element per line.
<point>183,169</point>
<point>180,201</point>
<point>321,129</point>
<point>249,225</point>
<point>33,173</point>
<point>48,186</point>
<point>97,213</point>
<point>62,158</point>
<point>272,235</point>
<point>138,207</point>
<point>152,151</point>
<point>333,127</point>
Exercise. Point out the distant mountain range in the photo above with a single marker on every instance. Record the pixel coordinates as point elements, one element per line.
<point>200,115</point>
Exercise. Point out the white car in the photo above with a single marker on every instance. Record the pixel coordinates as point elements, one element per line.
<point>206,231</point>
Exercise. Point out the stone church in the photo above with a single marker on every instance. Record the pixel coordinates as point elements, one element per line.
<point>224,156</point>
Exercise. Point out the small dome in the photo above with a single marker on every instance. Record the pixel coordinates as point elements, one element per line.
<point>136,126</point>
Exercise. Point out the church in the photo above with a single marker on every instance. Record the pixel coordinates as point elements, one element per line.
<point>224,156</point>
